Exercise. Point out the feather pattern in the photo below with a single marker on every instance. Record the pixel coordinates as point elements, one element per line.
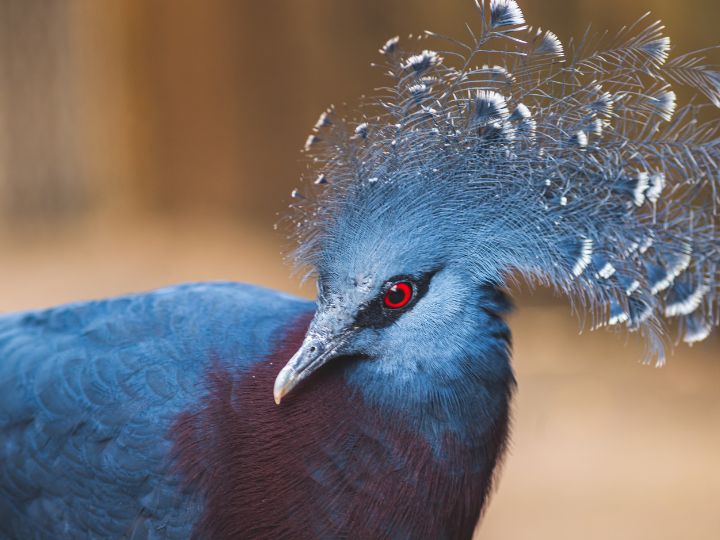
<point>89,393</point>
<point>532,167</point>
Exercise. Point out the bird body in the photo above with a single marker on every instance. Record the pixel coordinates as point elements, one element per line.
<point>88,396</point>
<point>151,416</point>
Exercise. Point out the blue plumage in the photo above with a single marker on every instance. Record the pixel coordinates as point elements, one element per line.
<point>509,156</point>
<point>88,393</point>
<point>521,157</point>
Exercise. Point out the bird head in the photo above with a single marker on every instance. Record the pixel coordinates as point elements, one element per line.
<point>397,295</point>
<point>500,157</point>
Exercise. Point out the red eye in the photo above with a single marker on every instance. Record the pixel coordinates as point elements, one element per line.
<point>398,295</point>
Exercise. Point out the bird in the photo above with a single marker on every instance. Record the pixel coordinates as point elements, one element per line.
<point>382,408</point>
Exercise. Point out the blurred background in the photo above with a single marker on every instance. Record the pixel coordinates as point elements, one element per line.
<point>149,142</point>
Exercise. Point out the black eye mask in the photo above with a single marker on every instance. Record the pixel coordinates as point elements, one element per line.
<point>388,306</point>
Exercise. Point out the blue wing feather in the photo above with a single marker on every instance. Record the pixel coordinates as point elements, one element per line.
<point>88,392</point>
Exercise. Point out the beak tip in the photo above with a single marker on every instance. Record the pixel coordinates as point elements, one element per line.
<point>283,384</point>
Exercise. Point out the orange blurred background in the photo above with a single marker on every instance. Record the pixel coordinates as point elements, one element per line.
<point>149,142</point>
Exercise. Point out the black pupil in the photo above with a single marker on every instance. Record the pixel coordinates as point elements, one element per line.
<point>396,295</point>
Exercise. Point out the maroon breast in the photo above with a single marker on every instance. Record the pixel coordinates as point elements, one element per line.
<point>322,464</point>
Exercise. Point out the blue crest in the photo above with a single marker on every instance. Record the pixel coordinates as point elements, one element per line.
<point>572,166</point>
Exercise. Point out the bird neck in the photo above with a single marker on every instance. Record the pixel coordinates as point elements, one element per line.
<point>334,461</point>
<point>459,387</point>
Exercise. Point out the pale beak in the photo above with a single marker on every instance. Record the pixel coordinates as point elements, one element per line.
<point>314,353</point>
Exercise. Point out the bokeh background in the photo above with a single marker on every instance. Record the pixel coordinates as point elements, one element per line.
<point>149,142</point>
